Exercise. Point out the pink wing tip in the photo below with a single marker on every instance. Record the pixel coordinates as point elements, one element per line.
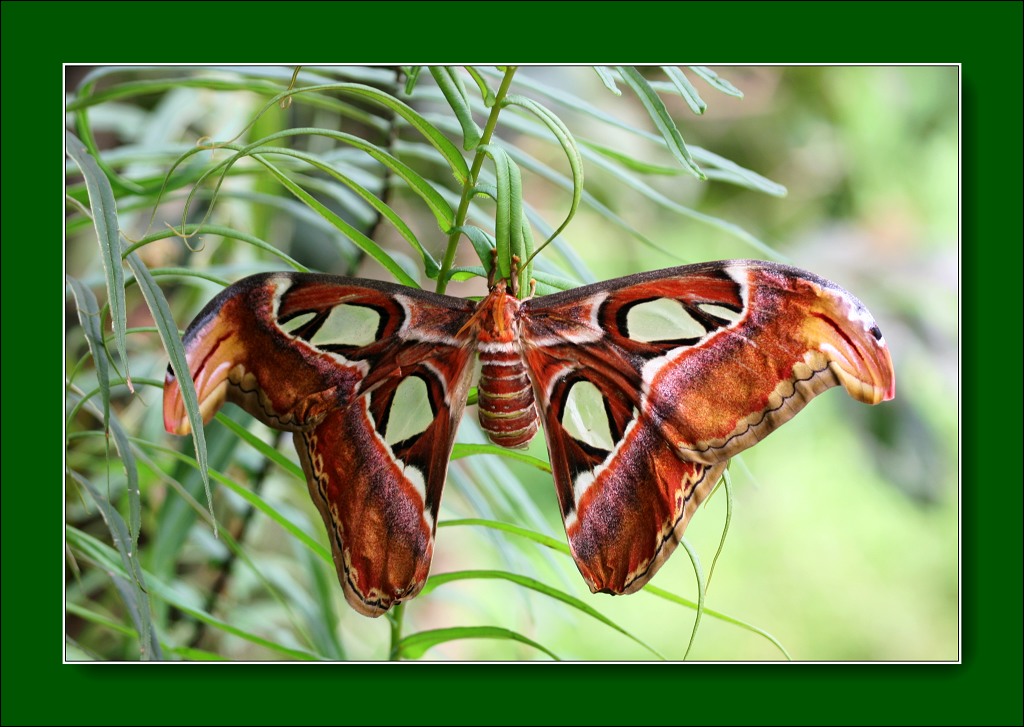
<point>175,419</point>
<point>891,391</point>
<point>890,375</point>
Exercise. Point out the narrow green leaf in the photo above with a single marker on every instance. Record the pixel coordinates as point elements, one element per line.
<point>701,156</point>
<point>482,243</point>
<point>711,613</point>
<point>486,94</point>
<point>85,135</point>
<point>538,538</point>
<point>137,605</point>
<point>441,578</point>
<point>250,497</point>
<point>515,213</point>
<point>441,210</point>
<point>608,79</point>
<point>231,544</point>
<point>568,144</point>
<point>362,241</point>
<point>190,273</point>
<point>189,654</point>
<point>448,80</point>
<point>502,503</point>
<point>131,473</point>
<point>699,574</point>
<point>322,617</point>
<point>562,547</point>
<point>119,91</point>
<point>104,217</point>
<point>195,230</point>
<point>554,283</point>
<point>733,173</point>
<point>174,521</point>
<point>103,556</point>
<point>438,140</point>
<point>508,218</point>
<point>100,619</point>
<point>461,450</point>
<point>311,94</point>
<point>726,170</point>
<point>631,162</point>
<point>412,75</point>
<point>569,100</point>
<point>415,645</point>
<point>529,249</point>
<point>84,399</point>
<point>536,167</point>
<point>483,189</point>
<point>728,227</point>
<point>716,81</point>
<point>229,541</point>
<point>502,217</point>
<point>726,482</point>
<point>133,586</point>
<point>168,329</point>
<point>89,319</point>
<point>686,89</point>
<point>660,116</point>
<point>434,137</point>
<point>262,447</point>
<point>468,272</point>
<point>430,265</point>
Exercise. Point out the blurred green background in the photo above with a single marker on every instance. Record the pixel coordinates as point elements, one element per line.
<point>844,538</point>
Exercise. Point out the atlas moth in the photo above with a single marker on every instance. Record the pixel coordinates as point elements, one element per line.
<point>645,386</point>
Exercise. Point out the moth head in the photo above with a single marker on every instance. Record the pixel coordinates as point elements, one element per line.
<point>497,316</point>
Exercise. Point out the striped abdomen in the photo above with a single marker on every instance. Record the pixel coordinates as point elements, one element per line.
<point>505,396</point>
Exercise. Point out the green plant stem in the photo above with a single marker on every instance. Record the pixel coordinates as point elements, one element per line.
<point>470,185</point>
<point>395,617</point>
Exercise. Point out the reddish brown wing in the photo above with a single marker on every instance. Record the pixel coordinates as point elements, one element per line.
<point>649,384</point>
<point>372,380</point>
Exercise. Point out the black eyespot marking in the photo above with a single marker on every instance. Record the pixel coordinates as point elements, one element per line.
<point>876,332</point>
<point>170,373</point>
